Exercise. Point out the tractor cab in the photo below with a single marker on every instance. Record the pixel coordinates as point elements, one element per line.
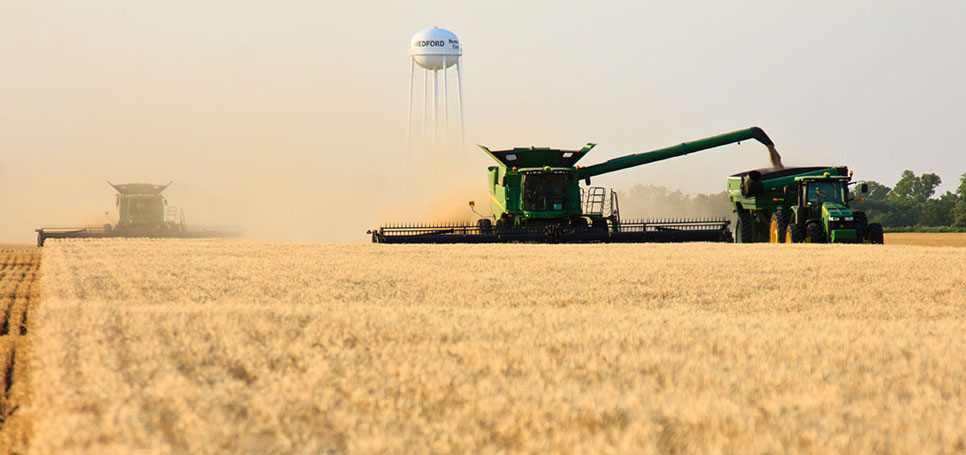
<point>817,193</point>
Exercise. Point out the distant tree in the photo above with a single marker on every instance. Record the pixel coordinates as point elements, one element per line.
<point>916,188</point>
<point>927,187</point>
<point>904,187</point>
<point>875,203</point>
<point>959,211</point>
<point>938,212</point>
<point>650,201</point>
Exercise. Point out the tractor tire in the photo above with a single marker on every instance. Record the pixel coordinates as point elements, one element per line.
<point>815,233</point>
<point>794,234</point>
<point>485,225</point>
<point>745,228</point>
<point>875,234</point>
<point>861,223</point>
<point>778,227</point>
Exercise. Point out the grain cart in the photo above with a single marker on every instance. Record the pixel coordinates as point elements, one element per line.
<point>799,204</point>
<point>536,196</point>
<point>142,212</point>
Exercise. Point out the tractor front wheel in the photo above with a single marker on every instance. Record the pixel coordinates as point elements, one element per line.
<point>861,223</point>
<point>794,234</point>
<point>815,233</point>
<point>778,227</point>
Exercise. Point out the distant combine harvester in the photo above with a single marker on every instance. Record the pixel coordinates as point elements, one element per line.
<point>142,212</point>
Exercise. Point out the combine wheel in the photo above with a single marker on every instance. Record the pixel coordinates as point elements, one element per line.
<point>794,234</point>
<point>745,227</point>
<point>578,223</point>
<point>815,233</point>
<point>875,234</point>
<point>599,224</point>
<point>485,225</point>
<point>502,225</point>
<point>107,228</point>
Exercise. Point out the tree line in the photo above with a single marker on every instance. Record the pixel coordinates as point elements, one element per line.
<point>911,204</point>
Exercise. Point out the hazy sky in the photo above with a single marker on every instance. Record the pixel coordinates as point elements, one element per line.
<point>291,117</point>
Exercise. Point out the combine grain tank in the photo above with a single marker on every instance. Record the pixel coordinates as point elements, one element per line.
<point>536,196</point>
<point>142,212</point>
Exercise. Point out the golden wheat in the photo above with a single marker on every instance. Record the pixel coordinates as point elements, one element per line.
<point>927,239</point>
<point>216,346</point>
<point>18,298</point>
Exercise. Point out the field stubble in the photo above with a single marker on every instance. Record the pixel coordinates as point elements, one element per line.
<point>18,297</point>
<point>161,346</point>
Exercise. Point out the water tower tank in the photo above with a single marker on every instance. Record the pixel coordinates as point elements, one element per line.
<point>430,47</point>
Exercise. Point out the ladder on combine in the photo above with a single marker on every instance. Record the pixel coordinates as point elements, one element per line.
<point>174,215</point>
<point>596,201</point>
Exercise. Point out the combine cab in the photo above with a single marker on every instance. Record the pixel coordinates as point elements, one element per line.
<point>142,212</point>
<point>536,196</point>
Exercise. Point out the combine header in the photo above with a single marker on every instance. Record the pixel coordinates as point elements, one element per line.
<point>142,212</point>
<point>535,196</point>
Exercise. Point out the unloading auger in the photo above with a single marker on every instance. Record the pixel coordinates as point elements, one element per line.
<point>536,196</point>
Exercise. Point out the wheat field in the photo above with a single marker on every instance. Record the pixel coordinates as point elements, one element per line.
<point>233,346</point>
<point>927,239</point>
<point>18,299</point>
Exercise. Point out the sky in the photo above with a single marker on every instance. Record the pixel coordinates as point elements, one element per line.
<point>290,118</point>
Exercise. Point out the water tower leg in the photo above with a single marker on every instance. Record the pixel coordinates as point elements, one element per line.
<point>409,131</point>
<point>435,108</point>
<point>425,112</point>
<point>445,106</point>
<point>459,85</point>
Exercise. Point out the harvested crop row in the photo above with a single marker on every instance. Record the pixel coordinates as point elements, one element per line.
<point>19,268</point>
<point>155,346</point>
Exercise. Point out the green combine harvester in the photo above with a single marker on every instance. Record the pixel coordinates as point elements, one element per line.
<point>536,196</point>
<point>142,212</point>
<point>800,204</point>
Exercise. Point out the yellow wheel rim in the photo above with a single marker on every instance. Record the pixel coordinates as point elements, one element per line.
<point>773,232</point>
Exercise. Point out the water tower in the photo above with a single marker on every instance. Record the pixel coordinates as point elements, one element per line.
<point>435,50</point>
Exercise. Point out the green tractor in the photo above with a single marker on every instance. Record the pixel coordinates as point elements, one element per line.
<point>536,196</point>
<point>800,205</point>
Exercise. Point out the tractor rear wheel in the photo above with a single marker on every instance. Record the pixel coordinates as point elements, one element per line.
<point>815,233</point>
<point>875,234</point>
<point>745,227</point>
<point>794,234</point>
